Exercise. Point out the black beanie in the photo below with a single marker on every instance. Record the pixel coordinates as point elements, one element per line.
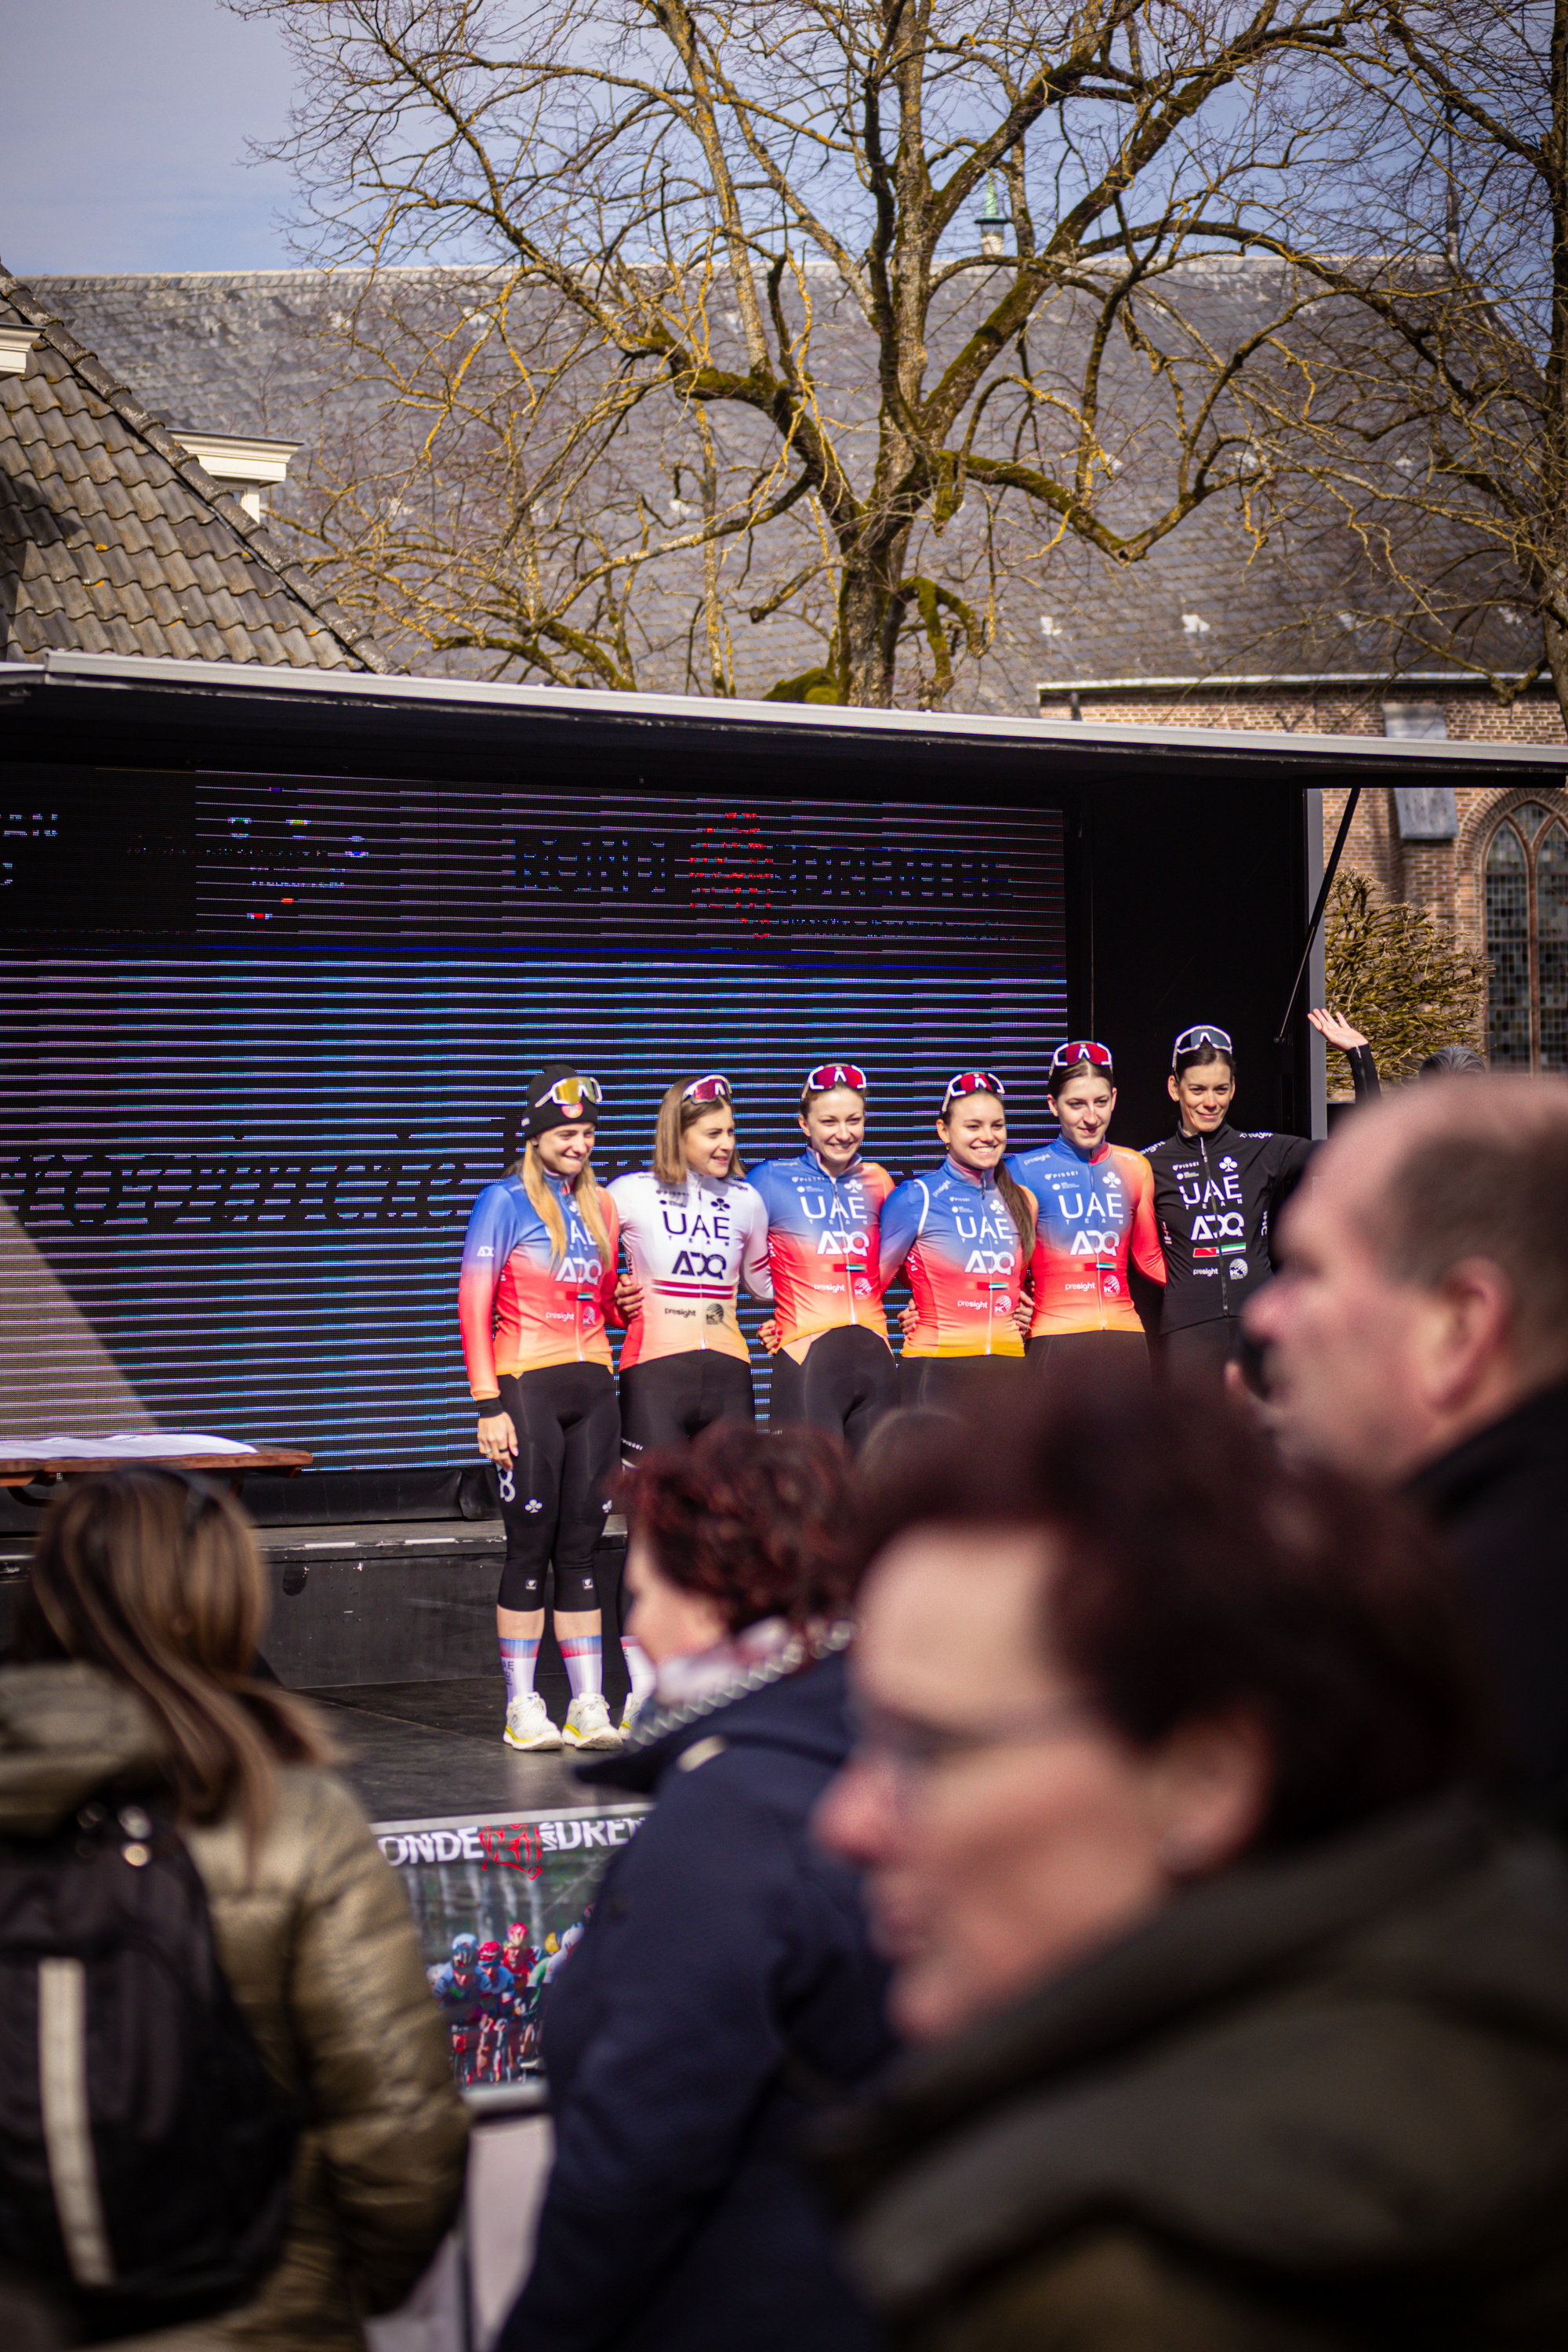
<point>542,1114</point>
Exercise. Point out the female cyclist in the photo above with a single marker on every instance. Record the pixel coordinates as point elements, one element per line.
<point>833,1367</point>
<point>1094,1203</point>
<point>693,1230</point>
<point>536,1288</point>
<point>964,1235</point>
<point>1218,1192</point>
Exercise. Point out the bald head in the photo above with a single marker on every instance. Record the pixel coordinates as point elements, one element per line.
<point>1423,1289</point>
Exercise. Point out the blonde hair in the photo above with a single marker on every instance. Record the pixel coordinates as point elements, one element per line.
<point>584,1192</point>
<point>674,1115</point>
<point>157,1581</point>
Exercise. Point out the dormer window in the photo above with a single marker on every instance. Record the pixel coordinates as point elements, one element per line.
<point>247,467</point>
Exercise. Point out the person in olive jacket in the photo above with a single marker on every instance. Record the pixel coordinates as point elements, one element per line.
<point>143,1614</point>
<point>1241,2027</point>
<point>724,1985</point>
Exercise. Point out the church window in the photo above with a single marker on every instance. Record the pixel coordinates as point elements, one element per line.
<point>1527,940</point>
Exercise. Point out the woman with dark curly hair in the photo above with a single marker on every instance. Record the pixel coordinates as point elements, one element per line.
<point>725,1977</point>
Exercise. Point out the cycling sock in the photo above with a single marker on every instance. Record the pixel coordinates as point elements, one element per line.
<point>639,1666</point>
<point>583,1656</point>
<point>518,1661</point>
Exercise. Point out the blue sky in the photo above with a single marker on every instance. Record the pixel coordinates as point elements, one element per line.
<point>122,138</point>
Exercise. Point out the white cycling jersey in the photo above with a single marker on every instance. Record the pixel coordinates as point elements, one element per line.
<point>689,1248</point>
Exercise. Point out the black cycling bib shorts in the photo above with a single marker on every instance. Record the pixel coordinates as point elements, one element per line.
<point>850,1379</point>
<point>554,1494</point>
<point>955,1383</point>
<point>1062,1356</point>
<point>669,1400</point>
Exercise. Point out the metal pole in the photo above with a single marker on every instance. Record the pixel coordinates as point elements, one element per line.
<point>1330,870</point>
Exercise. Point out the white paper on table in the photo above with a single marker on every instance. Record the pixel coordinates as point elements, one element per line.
<point>142,1446</point>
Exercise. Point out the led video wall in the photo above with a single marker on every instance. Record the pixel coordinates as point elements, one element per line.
<point>264,1040</point>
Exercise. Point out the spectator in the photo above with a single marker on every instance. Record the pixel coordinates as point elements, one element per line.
<point>1453,1061</point>
<point>1239,2027</point>
<point>1418,1334</point>
<point>138,1628</point>
<point>724,1979</point>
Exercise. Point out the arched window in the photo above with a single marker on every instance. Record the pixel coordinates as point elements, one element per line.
<point>1527,941</point>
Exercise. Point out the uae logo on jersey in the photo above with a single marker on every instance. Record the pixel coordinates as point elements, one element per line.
<point>1236,1269</point>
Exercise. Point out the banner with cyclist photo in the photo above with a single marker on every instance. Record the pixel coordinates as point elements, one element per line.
<point>501,1901</point>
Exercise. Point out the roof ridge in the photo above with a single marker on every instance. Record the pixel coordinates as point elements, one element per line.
<point>254,535</point>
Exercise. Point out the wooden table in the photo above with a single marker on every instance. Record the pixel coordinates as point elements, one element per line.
<point>235,1467</point>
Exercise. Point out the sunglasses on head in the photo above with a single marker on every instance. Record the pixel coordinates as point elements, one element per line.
<point>571,1094</point>
<point>974,1082</point>
<point>828,1074</point>
<point>714,1087</point>
<point>1082,1049</point>
<point>1192,1040</point>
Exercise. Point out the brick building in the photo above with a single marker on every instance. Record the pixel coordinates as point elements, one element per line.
<point>1490,866</point>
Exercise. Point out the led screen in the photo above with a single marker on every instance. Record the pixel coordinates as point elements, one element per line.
<point>264,1041</point>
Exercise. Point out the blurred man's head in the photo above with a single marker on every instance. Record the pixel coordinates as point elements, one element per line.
<point>1422,1292</point>
<point>1106,1648</point>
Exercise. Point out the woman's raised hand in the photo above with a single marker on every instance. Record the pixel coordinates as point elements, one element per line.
<point>1335,1029</point>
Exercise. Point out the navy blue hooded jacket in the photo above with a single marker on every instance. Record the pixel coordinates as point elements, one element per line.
<point>724,1985</point>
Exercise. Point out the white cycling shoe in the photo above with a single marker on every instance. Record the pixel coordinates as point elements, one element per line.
<point>528,1725</point>
<point>588,1722</point>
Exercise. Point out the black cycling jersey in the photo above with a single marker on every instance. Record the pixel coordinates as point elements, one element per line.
<point>1217,1198</point>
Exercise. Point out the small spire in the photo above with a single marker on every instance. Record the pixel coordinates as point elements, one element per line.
<point>993,221</point>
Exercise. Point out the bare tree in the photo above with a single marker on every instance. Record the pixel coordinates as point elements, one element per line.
<point>1392,973</point>
<point>1423,400</point>
<point>767,219</point>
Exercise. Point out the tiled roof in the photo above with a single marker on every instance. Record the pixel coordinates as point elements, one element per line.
<point>113,537</point>
<point>253,352</point>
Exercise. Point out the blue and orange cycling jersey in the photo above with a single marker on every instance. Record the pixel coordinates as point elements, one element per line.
<point>1088,1212</point>
<point>519,1311</point>
<point>822,1242</point>
<point>953,1234</point>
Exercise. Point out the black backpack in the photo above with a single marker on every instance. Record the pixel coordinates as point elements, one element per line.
<point>144,2150</point>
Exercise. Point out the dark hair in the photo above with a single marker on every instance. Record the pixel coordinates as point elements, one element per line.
<point>1198,1057</point>
<point>1198,1577</point>
<point>1020,1203</point>
<point>1498,1191</point>
<point>760,1525</point>
<point>1453,1061</point>
<point>156,1578</point>
<point>1057,1078</point>
<point>898,1443</point>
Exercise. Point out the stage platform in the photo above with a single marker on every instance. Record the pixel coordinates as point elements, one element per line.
<point>424,1751</point>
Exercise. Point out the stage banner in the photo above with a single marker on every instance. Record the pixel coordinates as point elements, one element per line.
<point>501,1901</point>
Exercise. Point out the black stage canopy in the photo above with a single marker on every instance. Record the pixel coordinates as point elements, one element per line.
<point>280,946</point>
